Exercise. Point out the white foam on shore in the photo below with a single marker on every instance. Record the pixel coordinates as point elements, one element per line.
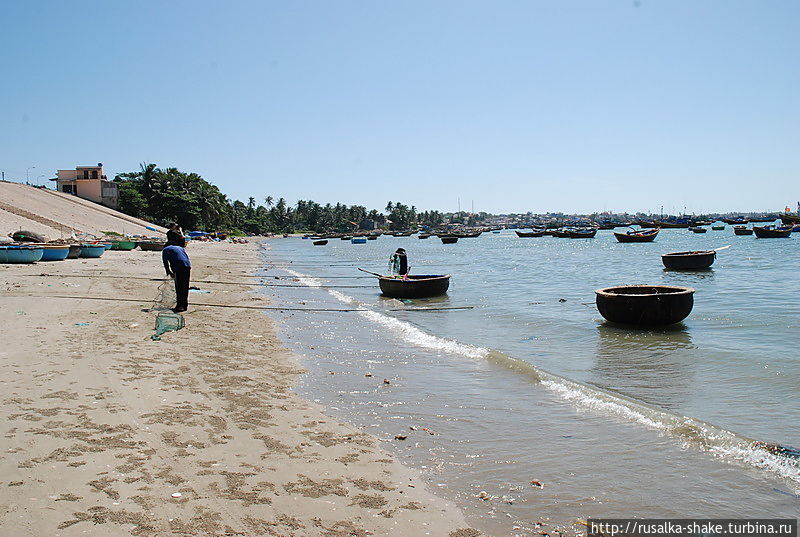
<point>721,443</point>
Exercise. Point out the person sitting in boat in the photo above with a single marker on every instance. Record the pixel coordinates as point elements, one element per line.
<point>398,263</point>
<point>174,234</point>
<point>178,266</point>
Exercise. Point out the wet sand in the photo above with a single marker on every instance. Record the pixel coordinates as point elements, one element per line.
<point>107,432</point>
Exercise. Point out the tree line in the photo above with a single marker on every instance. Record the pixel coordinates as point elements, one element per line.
<point>170,195</point>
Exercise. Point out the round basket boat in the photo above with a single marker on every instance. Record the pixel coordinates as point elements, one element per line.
<point>55,252</point>
<point>123,245</point>
<point>697,260</point>
<point>645,305</point>
<point>418,286</point>
<point>74,251</point>
<point>20,254</point>
<point>92,250</point>
<point>152,246</point>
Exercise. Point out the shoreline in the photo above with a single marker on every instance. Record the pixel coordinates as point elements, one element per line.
<point>199,433</point>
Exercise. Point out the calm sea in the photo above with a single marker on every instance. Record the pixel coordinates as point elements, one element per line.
<point>531,384</point>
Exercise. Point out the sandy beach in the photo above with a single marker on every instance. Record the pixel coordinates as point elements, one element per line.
<point>108,432</point>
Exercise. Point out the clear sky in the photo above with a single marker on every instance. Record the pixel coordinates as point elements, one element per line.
<point>574,106</point>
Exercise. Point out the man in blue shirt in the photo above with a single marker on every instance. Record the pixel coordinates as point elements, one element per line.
<point>178,266</point>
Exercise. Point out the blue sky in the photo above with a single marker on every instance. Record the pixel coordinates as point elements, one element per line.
<point>573,106</point>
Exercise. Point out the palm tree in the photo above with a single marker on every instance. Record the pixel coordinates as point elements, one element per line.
<point>269,201</point>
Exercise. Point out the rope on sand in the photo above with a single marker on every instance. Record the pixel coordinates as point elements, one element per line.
<point>261,283</point>
<point>272,308</point>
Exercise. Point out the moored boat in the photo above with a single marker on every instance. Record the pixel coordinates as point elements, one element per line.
<point>644,235</point>
<point>358,240</point>
<point>20,254</point>
<point>742,230</point>
<point>717,228</point>
<point>321,242</point>
<point>645,305</point>
<point>697,229</point>
<point>585,233</point>
<point>697,260</point>
<point>417,286</point>
<point>769,232</point>
<point>448,239</point>
<point>534,233</point>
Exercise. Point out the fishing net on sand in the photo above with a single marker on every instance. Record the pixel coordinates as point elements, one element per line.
<point>165,295</point>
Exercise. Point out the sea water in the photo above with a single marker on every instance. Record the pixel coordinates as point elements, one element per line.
<point>529,386</point>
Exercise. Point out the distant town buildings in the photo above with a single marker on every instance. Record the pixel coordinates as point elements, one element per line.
<point>88,182</point>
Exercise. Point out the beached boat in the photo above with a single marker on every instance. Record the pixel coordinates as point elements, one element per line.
<point>742,230</point>
<point>418,286</point>
<point>358,240</point>
<point>54,252</point>
<point>20,254</point>
<point>534,233</point>
<point>697,260</point>
<point>123,245</point>
<point>769,232</point>
<point>694,229</point>
<point>448,239</point>
<point>321,242</point>
<point>92,250</point>
<point>152,246</point>
<point>637,235</point>
<point>645,305</point>
<point>586,233</point>
<point>74,251</point>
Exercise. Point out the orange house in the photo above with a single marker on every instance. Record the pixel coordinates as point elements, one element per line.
<point>88,182</point>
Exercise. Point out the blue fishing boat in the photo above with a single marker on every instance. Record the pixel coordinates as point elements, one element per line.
<point>92,250</point>
<point>20,254</point>
<point>55,252</point>
<point>358,240</point>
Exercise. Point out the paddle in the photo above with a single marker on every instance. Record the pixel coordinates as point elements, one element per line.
<point>373,273</point>
<point>723,248</point>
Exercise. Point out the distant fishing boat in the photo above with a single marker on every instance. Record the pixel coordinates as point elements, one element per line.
<point>321,242</point>
<point>372,237</point>
<point>789,219</point>
<point>448,239</point>
<point>696,229</point>
<point>769,232</point>
<point>742,230</point>
<point>20,254</point>
<point>671,224</point>
<point>585,233</point>
<point>734,221</point>
<point>561,233</point>
<point>717,228</point>
<point>358,240</point>
<point>644,235</point>
<point>534,233</point>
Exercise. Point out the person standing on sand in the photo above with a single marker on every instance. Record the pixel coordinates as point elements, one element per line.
<point>174,234</point>
<point>178,266</point>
